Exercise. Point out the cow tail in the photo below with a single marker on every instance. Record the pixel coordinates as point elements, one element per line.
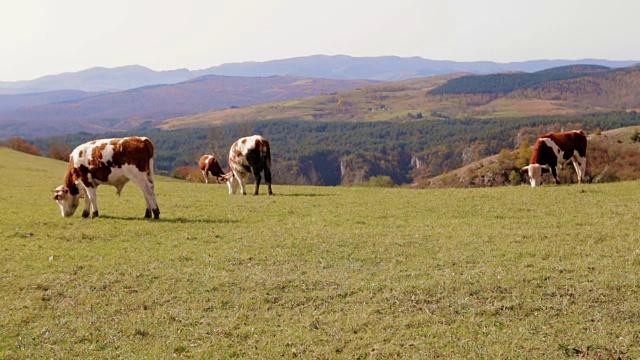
<point>266,159</point>
<point>151,152</point>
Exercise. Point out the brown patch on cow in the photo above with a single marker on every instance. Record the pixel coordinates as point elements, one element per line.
<point>81,153</point>
<point>71,177</point>
<point>101,173</point>
<point>134,151</point>
<point>96,156</point>
<point>202,162</point>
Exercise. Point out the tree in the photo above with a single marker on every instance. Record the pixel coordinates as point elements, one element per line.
<point>59,150</point>
<point>19,144</point>
<point>515,178</point>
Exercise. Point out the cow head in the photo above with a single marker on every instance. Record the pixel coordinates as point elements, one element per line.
<point>535,172</point>
<point>232,182</point>
<point>68,203</point>
<point>214,168</point>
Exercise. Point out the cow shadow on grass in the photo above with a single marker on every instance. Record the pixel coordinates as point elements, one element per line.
<point>306,195</point>
<point>178,220</point>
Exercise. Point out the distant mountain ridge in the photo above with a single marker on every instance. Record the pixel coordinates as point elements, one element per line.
<point>98,79</point>
<point>130,108</point>
<point>388,68</point>
<point>385,68</point>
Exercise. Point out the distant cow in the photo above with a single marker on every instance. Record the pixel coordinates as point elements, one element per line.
<point>552,150</point>
<point>249,155</point>
<point>208,164</point>
<point>112,162</point>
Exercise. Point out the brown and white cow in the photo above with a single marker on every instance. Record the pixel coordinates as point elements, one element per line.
<point>107,161</point>
<point>208,164</point>
<point>249,155</point>
<point>554,149</point>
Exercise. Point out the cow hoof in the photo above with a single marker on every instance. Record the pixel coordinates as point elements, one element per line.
<point>156,213</point>
<point>147,214</point>
<point>94,215</point>
<point>85,214</point>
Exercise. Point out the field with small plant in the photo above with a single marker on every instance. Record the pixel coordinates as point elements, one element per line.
<point>318,272</point>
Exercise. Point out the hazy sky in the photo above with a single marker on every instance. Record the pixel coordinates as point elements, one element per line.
<point>46,37</point>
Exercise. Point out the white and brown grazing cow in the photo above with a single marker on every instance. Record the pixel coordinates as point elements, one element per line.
<point>249,155</point>
<point>112,162</point>
<point>208,164</point>
<point>552,150</point>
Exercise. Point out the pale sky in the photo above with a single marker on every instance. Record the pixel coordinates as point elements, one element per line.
<point>47,37</point>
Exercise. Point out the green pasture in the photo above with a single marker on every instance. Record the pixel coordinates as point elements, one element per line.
<point>318,272</point>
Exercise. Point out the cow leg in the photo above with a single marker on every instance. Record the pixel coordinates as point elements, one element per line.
<point>93,200</point>
<point>257,178</point>
<point>244,178</point>
<point>206,178</point>
<point>580,164</point>
<point>267,179</point>
<point>87,207</point>
<point>145,183</point>
<point>554,172</point>
<point>242,181</point>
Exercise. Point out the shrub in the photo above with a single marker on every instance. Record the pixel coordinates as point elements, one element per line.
<point>188,173</point>
<point>20,144</point>
<point>377,181</point>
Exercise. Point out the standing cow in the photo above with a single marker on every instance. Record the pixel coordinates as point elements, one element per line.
<point>208,164</point>
<point>249,155</point>
<point>112,162</point>
<point>552,150</point>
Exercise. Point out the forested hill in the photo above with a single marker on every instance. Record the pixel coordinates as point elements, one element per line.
<point>559,91</point>
<point>322,153</point>
<point>508,82</point>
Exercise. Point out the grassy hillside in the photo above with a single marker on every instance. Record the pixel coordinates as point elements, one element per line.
<point>318,272</point>
<point>569,91</point>
<point>382,102</point>
<point>612,155</point>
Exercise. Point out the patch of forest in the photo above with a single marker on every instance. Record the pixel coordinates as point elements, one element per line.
<point>328,153</point>
<point>508,82</point>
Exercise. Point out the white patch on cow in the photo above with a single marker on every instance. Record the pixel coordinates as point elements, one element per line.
<point>107,153</point>
<point>249,144</point>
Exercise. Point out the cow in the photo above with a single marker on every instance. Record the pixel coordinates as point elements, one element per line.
<point>107,161</point>
<point>554,149</point>
<point>249,155</point>
<point>208,164</point>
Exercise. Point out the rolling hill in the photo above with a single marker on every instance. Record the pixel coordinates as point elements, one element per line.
<point>561,91</point>
<point>131,108</point>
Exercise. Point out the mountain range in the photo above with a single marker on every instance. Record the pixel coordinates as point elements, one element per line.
<point>383,68</point>
<point>333,88</point>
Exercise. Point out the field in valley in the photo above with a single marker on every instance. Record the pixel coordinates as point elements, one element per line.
<point>318,272</point>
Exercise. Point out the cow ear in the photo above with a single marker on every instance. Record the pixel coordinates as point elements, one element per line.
<point>524,170</point>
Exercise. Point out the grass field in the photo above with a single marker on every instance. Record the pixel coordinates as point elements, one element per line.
<point>318,272</point>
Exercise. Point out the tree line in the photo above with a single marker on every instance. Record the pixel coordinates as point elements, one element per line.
<point>330,153</point>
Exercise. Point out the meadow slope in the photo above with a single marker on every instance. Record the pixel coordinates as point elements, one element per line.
<point>318,272</point>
